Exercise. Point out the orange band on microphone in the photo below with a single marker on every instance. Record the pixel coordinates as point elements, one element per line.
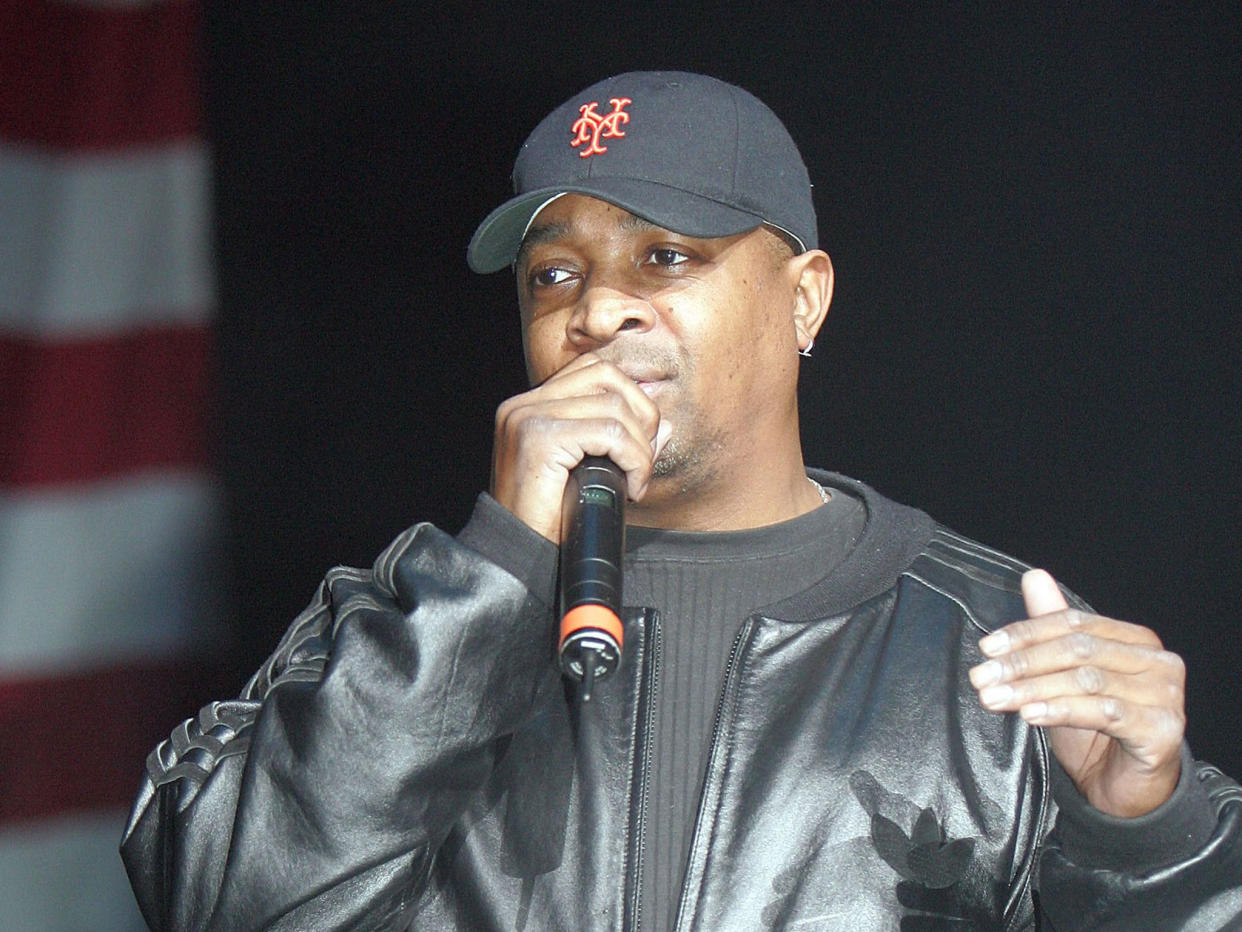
<point>592,615</point>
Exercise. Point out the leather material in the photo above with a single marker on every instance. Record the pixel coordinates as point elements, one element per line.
<point>409,758</point>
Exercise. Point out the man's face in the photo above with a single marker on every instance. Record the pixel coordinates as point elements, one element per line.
<point>704,326</point>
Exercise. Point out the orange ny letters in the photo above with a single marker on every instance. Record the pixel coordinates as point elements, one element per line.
<point>590,128</point>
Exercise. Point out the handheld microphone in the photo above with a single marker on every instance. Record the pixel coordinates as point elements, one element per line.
<point>592,542</point>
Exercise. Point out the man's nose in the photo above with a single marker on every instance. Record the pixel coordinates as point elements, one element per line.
<point>606,310</point>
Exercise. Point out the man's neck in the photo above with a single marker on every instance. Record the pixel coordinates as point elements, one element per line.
<point>721,505</point>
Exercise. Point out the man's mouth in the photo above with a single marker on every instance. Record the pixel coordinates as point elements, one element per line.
<point>650,386</point>
<point>649,373</point>
<point>649,380</point>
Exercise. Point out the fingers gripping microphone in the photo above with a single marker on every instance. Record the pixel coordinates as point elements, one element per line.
<point>592,542</point>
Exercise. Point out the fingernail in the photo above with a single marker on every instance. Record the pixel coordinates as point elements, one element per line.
<point>661,437</point>
<point>996,695</point>
<point>995,643</point>
<point>985,674</point>
<point>1035,712</point>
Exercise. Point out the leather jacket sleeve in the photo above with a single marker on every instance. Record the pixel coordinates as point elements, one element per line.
<point>1177,868</point>
<point>319,797</point>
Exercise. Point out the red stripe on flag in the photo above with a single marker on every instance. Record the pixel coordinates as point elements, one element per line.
<point>83,410</point>
<point>96,77</point>
<point>78,742</point>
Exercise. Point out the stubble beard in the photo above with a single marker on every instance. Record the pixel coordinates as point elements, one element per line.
<point>691,457</point>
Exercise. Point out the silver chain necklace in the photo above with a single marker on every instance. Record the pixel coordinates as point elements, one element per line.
<point>823,493</point>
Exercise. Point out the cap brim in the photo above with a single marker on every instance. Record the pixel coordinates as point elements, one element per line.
<point>496,242</point>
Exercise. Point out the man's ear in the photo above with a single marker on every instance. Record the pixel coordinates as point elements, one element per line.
<point>813,280</point>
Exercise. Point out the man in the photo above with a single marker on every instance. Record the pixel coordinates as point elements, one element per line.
<point>831,713</point>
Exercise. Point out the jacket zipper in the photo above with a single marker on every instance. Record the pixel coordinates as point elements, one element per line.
<point>1029,867</point>
<point>725,703</point>
<point>644,778</point>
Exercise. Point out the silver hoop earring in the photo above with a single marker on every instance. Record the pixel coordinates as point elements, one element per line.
<point>807,350</point>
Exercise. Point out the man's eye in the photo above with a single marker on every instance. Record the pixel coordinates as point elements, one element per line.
<point>667,257</point>
<point>549,276</point>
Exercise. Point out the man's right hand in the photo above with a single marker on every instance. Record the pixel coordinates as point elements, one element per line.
<point>588,408</point>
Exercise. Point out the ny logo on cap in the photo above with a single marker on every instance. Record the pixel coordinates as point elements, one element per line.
<point>590,128</point>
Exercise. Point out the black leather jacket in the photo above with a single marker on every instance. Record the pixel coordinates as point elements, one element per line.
<point>409,758</point>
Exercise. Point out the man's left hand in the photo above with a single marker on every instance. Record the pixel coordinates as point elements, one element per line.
<point>1108,693</point>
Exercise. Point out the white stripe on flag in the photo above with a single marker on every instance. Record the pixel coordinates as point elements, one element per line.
<point>109,572</point>
<point>101,243</point>
<point>64,874</point>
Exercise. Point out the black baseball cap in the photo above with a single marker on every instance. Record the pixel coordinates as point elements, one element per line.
<point>684,151</point>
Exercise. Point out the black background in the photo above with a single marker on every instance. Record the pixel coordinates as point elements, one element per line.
<point>1034,218</point>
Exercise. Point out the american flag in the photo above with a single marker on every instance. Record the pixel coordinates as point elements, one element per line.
<point>110,520</point>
